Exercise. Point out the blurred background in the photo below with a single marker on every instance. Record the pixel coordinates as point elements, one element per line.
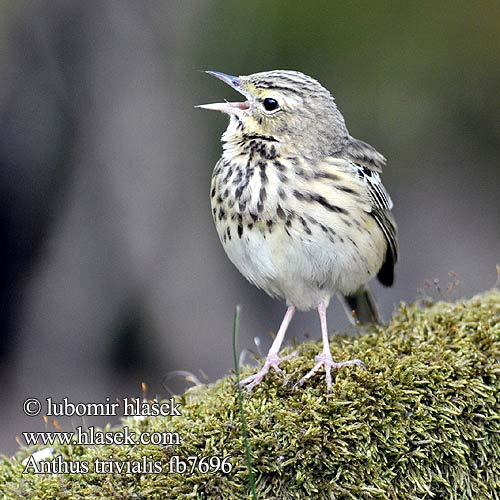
<point>112,272</point>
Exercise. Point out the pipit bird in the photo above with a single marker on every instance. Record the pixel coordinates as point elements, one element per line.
<point>299,205</point>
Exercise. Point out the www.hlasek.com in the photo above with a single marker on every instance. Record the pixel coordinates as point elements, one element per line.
<point>45,461</point>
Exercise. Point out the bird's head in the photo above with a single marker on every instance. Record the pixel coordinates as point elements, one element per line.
<point>289,106</point>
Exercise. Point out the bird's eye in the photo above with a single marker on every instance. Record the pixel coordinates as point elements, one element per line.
<point>270,104</point>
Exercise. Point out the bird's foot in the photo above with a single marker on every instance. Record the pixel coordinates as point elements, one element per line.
<point>272,361</point>
<point>325,359</point>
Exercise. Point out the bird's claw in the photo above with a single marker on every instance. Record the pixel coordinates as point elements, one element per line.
<point>325,359</point>
<point>272,361</point>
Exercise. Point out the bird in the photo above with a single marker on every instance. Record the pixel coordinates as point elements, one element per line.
<point>299,205</point>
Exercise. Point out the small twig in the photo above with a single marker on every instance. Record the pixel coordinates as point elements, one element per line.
<point>248,456</point>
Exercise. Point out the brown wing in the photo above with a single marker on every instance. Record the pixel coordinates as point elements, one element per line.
<point>368,163</point>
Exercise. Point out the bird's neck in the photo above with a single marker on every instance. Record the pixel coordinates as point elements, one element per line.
<point>250,147</point>
<point>251,175</point>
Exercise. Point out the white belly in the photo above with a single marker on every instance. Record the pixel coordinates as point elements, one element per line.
<point>303,269</point>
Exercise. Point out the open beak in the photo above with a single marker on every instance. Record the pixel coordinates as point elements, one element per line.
<point>227,107</point>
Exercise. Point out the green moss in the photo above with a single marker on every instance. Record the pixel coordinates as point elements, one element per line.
<point>422,421</point>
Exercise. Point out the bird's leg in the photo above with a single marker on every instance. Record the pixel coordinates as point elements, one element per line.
<point>272,359</point>
<point>325,358</point>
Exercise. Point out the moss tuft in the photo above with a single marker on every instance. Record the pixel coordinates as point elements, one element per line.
<point>422,421</point>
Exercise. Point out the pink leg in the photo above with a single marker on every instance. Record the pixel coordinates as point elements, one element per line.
<point>272,359</point>
<point>325,358</point>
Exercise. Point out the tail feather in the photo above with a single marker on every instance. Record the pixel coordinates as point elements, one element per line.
<point>362,306</point>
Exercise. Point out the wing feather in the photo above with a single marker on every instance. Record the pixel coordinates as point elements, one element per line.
<point>351,184</point>
<point>381,205</point>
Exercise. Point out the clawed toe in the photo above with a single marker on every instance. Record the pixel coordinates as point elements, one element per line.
<point>254,380</point>
<point>272,360</point>
<point>349,362</point>
<point>326,360</point>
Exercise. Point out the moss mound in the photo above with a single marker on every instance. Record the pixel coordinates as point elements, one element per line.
<point>422,421</point>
